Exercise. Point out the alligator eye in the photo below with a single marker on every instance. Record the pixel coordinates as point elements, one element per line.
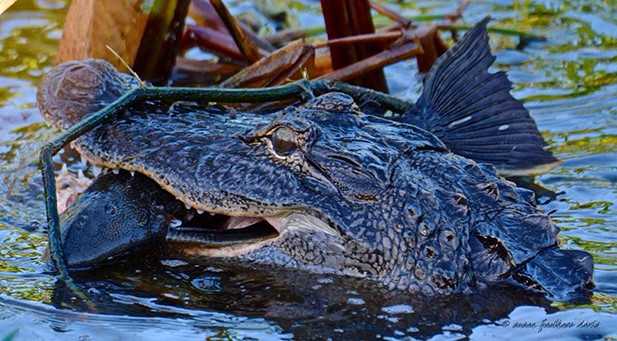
<point>284,141</point>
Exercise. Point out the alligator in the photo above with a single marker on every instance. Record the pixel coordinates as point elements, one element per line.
<point>413,202</point>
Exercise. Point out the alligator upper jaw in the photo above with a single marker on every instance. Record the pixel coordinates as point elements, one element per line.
<point>231,235</point>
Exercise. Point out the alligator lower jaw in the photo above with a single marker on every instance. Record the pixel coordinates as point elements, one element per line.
<point>219,235</point>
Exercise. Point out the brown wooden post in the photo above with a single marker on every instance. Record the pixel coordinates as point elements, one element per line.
<point>160,43</point>
<point>146,37</point>
<point>352,17</point>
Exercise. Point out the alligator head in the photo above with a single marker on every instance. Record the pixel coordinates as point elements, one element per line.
<point>326,188</point>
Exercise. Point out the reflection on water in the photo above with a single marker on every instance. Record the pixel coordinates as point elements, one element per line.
<point>568,82</point>
<point>222,296</point>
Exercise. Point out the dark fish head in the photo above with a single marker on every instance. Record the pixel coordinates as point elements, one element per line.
<point>117,214</point>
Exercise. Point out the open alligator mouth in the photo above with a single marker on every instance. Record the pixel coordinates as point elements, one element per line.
<point>122,211</point>
<point>218,234</point>
<point>221,235</point>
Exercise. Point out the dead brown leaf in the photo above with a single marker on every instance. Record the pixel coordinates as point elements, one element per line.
<point>279,67</point>
<point>246,46</point>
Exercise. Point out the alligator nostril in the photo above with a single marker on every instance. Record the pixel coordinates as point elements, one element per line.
<point>83,77</point>
<point>429,252</point>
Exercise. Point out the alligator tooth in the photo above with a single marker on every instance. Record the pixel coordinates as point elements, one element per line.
<point>175,223</point>
<point>64,169</point>
<point>96,170</point>
<point>200,212</point>
<point>188,207</point>
<point>241,222</point>
<point>132,173</point>
<point>115,171</point>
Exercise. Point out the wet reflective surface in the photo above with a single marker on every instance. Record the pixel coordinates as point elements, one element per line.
<point>568,82</point>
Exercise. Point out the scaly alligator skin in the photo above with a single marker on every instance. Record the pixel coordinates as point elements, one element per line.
<point>348,193</point>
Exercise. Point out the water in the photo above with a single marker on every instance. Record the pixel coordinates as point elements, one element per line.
<point>570,85</point>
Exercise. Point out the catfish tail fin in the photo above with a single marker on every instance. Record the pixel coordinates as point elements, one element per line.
<point>473,112</point>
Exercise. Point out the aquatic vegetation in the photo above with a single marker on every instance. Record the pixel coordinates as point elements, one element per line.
<point>568,82</point>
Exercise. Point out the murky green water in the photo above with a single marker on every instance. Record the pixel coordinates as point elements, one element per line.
<point>568,82</point>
